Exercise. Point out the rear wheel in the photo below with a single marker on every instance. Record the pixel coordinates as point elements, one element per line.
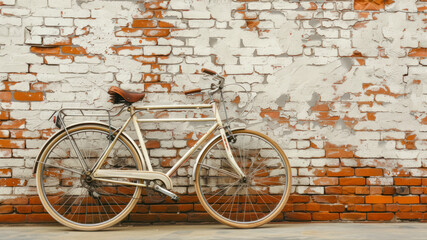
<point>66,189</point>
<point>249,202</point>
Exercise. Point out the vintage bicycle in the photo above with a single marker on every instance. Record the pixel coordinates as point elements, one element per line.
<point>90,175</point>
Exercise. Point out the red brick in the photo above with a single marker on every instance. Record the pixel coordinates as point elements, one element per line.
<point>407,181</point>
<point>312,207</point>
<point>368,5</point>
<point>12,182</point>
<point>6,209</point>
<point>379,199</point>
<point>156,32</point>
<point>136,217</point>
<point>349,190</point>
<point>16,201</point>
<point>423,199</point>
<point>73,50</point>
<point>163,208</point>
<point>379,207</point>
<point>333,190</point>
<point>23,209</point>
<point>299,207</point>
<point>406,199</point>
<point>418,52</point>
<point>362,190</point>
<point>6,172</point>
<point>352,181</point>
<point>45,50</point>
<point>339,153</point>
<point>165,24</point>
<point>325,216</point>
<point>4,115</point>
<point>8,143</point>
<point>363,208</point>
<point>40,218</point>
<point>12,218</point>
<point>366,172</point>
<point>380,216</point>
<point>325,199</point>
<point>387,190</point>
<point>323,181</point>
<point>419,208</point>
<point>144,23</point>
<point>28,96</point>
<point>340,172</point>
<point>353,216</point>
<point>5,96</point>
<point>200,217</point>
<point>351,199</point>
<point>297,216</point>
<point>12,124</point>
<point>175,217</point>
<point>299,199</point>
<point>409,215</point>
<point>337,208</point>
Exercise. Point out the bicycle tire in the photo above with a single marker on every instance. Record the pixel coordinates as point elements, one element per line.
<point>68,195</point>
<point>240,204</point>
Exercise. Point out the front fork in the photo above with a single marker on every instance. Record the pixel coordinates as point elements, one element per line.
<point>230,157</point>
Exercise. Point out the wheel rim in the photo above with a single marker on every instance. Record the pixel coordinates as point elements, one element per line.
<point>236,202</point>
<point>70,193</point>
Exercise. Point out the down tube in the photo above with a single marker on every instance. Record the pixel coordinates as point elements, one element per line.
<point>187,154</point>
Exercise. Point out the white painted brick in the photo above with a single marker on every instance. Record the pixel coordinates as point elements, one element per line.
<point>325,52</point>
<point>310,190</point>
<point>322,162</point>
<point>76,13</point>
<point>259,6</point>
<point>298,162</point>
<point>157,50</point>
<point>74,68</point>
<point>15,11</point>
<point>44,31</point>
<point>59,3</point>
<point>162,153</point>
<point>6,20</point>
<point>46,12</point>
<point>201,23</point>
<point>238,69</point>
<point>58,22</point>
<point>196,15</point>
<point>8,2</point>
<point>285,5</point>
<point>57,60</point>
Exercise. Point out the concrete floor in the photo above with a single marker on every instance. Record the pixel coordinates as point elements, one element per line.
<point>341,231</point>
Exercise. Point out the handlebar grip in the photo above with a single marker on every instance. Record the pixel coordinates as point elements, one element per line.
<point>197,90</point>
<point>210,72</point>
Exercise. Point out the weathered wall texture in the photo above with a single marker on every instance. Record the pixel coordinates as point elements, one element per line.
<point>341,85</point>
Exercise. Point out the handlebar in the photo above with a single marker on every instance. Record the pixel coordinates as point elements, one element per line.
<point>214,87</point>
<point>210,72</point>
<point>196,90</point>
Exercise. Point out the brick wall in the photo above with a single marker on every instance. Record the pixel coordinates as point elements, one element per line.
<point>341,85</point>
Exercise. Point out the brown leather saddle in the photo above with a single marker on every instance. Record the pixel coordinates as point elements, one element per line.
<point>118,95</point>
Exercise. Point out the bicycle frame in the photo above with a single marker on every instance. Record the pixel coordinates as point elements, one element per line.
<point>145,157</point>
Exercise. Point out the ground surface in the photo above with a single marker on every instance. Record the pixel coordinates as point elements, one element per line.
<point>340,231</point>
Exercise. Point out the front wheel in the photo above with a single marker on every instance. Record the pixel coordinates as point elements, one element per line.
<point>68,192</point>
<point>249,202</point>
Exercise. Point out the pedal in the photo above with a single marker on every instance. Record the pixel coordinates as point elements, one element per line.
<point>170,194</point>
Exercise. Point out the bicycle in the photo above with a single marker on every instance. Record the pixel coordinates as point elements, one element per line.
<point>90,175</point>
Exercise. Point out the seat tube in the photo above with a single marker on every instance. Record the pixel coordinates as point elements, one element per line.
<point>230,156</point>
<point>141,139</point>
